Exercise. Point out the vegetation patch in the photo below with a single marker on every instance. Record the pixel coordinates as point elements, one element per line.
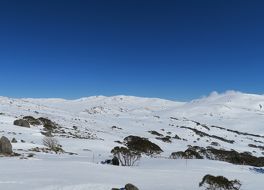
<point>176,137</point>
<point>166,139</point>
<point>187,154</point>
<point>237,132</point>
<point>230,156</point>
<point>219,183</point>
<point>202,125</point>
<point>142,145</point>
<point>32,121</point>
<point>215,144</point>
<point>156,133</point>
<point>52,144</point>
<point>203,134</point>
<point>115,127</point>
<point>256,146</point>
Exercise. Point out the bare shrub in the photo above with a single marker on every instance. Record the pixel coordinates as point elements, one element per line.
<point>52,143</point>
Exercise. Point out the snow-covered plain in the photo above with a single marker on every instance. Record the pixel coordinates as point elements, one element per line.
<point>94,118</point>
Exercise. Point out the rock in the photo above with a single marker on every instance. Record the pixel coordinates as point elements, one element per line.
<point>14,140</point>
<point>5,146</point>
<point>21,123</point>
<point>130,186</point>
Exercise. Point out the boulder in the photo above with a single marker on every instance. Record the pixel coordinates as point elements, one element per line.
<point>5,146</point>
<point>22,123</point>
<point>130,186</point>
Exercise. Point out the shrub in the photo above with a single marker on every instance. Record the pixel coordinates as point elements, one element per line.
<point>188,154</point>
<point>126,156</point>
<point>219,183</point>
<point>155,133</point>
<point>166,139</point>
<point>32,121</point>
<point>48,124</point>
<point>53,144</point>
<point>142,145</point>
<point>231,156</point>
<point>49,127</point>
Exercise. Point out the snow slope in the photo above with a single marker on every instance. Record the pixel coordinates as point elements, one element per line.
<point>94,118</point>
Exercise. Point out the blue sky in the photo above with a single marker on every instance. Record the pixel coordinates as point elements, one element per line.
<point>170,49</point>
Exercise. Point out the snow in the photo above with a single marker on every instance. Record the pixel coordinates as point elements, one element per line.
<point>135,116</point>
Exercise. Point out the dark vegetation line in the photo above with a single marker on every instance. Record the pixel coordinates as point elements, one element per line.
<point>222,128</point>
<point>237,132</point>
<point>203,134</point>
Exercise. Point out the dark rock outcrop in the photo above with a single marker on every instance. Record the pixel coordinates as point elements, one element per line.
<point>22,123</point>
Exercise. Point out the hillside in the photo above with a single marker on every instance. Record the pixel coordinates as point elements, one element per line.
<point>89,128</point>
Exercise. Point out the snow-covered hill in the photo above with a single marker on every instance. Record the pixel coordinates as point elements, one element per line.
<point>92,127</point>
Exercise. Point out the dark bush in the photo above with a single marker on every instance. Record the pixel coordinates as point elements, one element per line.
<point>142,145</point>
<point>166,139</point>
<point>156,133</point>
<point>32,121</point>
<point>203,134</point>
<point>215,144</point>
<point>130,186</point>
<point>256,146</point>
<point>219,183</point>
<point>187,154</point>
<point>48,123</point>
<point>49,126</point>
<point>211,153</point>
<point>177,137</point>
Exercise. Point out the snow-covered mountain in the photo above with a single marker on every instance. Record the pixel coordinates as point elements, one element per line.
<point>91,127</point>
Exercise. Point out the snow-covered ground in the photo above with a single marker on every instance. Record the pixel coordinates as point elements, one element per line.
<point>92,120</point>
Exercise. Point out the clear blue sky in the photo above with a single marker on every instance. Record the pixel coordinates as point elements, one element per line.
<point>169,49</point>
